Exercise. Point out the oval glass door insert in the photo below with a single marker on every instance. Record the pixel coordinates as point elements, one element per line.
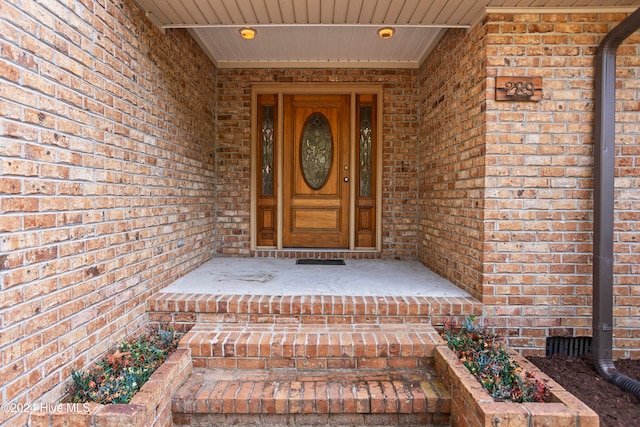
<point>316,150</point>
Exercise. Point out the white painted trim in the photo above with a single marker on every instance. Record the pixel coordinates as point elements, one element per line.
<point>152,18</point>
<point>574,10</point>
<point>314,25</point>
<point>434,44</point>
<point>203,48</point>
<point>316,64</point>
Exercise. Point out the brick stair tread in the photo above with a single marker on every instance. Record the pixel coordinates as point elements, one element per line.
<point>299,392</point>
<point>334,305</point>
<point>256,340</point>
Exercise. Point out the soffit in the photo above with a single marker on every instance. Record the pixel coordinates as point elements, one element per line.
<point>337,33</point>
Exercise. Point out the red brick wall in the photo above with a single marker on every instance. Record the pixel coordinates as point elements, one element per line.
<point>106,167</point>
<point>540,181</point>
<point>451,159</point>
<point>530,247</point>
<point>399,173</point>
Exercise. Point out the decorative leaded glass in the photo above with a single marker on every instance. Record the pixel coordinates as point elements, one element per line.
<point>267,150</point>
<point>365,151</point>
<point>316,150</point>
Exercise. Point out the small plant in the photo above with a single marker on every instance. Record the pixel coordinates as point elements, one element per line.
<point>485,356</point>
<point>117,377</point>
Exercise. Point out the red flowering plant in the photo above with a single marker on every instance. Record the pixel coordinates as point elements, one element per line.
<point>486,357</point>
<point>117,377</point>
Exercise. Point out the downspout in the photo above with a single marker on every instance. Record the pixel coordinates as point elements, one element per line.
<point>604,146</point>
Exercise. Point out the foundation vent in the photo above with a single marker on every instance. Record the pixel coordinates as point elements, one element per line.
<point>568,346</point>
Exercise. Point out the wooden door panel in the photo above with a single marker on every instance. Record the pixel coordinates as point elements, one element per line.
<point>316,220</point>
<point>316,217</point>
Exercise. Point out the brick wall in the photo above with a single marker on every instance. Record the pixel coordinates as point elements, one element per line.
<point>536,225</point>
<point>451,159</point>
<point>106,181</point>
<point>399,173</point>
<point>539,171</point>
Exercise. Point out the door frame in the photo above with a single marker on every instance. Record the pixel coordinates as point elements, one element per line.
<point>282,89</point>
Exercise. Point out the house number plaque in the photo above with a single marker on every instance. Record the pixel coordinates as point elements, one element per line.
<point>518,88</point>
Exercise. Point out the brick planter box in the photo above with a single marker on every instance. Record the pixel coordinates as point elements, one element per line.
<point>150,406</point>
<point>472,405</point>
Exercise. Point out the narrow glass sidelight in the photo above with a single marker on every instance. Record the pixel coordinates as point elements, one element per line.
<point>316,150</point>
<point>267,133</point>
<point>366,135</point>
<point>366,215</point>
<point>266,170</point>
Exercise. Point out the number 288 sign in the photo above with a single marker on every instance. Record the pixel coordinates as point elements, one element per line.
<point>518,88</point>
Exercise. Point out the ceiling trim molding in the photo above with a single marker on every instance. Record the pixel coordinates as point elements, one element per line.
<point>152,18</point>
<point>319,64</point>
<point>203,47</point>
<point>196,26</point>
<point>529,10</point>
<point>434,44</point>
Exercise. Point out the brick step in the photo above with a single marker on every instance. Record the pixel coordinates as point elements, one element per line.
<point>295,397</point>
<point>184,309</point>
<point>311,346</point>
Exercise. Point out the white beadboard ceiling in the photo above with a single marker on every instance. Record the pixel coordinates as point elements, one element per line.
<point>337,33</point>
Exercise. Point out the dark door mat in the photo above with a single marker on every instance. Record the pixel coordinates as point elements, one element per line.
<point>320,262</point>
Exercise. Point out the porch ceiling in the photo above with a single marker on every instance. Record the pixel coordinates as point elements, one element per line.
<point>336,33</point>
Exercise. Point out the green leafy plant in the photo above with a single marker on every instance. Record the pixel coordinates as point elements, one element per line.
<point>117,377</point>
<point>486,357</point>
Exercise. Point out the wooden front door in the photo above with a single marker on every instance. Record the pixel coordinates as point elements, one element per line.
<point>316,171</point>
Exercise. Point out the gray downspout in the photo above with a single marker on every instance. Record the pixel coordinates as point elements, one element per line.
<point>604,146</point>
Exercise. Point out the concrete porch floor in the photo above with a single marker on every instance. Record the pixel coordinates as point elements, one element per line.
<point>281,276</point>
